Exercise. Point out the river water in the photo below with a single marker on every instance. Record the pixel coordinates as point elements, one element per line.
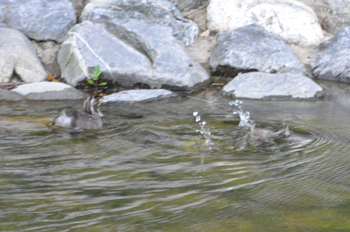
<point>150,168</point>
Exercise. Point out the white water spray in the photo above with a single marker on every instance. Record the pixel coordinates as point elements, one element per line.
<point>204,130</point>
<point>244,116</point>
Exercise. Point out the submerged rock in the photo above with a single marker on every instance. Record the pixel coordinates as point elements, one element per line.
<point>331,59</point>
<point>9,95</point>
<point>257,85</point>
<point>291,20</point>
<point>251,48</point>
<point>138,95</point>
<point>39,19</point>
<point>18,57</point>
<point>48,91</point>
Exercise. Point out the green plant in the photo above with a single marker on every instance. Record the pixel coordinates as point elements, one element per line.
<point>95,77</point>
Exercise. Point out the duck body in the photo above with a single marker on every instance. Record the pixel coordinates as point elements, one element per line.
<point>258,137</point>
<point>74,119</point>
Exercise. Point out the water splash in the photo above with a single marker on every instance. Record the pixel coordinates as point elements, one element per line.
<point>204,130</point>
<point>244,116</point>
<point>255,136</point>
<point>99,110</point>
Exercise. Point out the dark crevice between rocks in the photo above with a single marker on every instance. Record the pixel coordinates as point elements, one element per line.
<point>228,71</point>
<point>111,88</point>
<point>107,89</point>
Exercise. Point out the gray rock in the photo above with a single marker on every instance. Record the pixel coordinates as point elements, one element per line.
<point>171,63</point>
<point>156,60</point>
<point>337,13</point>
<point>8,95</point>
<point>79,6</point>
<point>185,4</point>
<point>47,53</point>
<point>48,91</point>
<point>138,95</point>
<point>291,20</point>
<point>160,12</point>
<point>2,12</point>
<point>331,59</point>
<point>39,19</point>
<point>18,55</point>
<point>81,52</point>
<point>251,48</point>
<point>257,85</point>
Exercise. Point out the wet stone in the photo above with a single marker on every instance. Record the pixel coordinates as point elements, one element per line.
<point>257,85</point>
<point>48,91</point>
<point>138,95</point>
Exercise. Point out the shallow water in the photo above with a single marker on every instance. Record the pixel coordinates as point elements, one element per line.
<point>149,168</point>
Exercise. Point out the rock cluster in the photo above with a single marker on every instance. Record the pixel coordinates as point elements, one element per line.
<point>293,21</point>
<point>147,42</point>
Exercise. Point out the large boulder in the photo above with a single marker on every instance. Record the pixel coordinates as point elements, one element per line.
<point>81,52</point>
<point>160,12</point>
<point>39,19</point>
<point>17,55</point>
<point>337,13</point>
<point>150,56</point>
<point>172,66</point>
<point>251,48</point>
<point>291,20</point>
<point>257,85</point>
<point>331,59</point>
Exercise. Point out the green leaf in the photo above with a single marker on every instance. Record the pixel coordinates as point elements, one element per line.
<point>103,83</point>
<point>90,81</point>
<point>97,70</point>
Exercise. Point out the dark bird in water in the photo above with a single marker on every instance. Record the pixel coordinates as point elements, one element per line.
<point>74,119</point>
<point>258,137</point>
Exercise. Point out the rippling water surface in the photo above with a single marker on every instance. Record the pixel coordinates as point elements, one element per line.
<point>149,168</point>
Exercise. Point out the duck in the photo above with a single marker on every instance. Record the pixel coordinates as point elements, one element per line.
<point>258,136</point>
<point>74,119</point>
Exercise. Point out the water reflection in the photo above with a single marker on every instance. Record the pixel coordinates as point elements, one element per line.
<point>144,171</point>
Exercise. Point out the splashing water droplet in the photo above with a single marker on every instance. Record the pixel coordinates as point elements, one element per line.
<point>287,132</point>
<point>204,131</point>
<point>244,116</point>
<point>99,111</point>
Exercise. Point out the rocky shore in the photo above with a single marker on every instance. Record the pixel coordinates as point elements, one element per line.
<point>274,48</point>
